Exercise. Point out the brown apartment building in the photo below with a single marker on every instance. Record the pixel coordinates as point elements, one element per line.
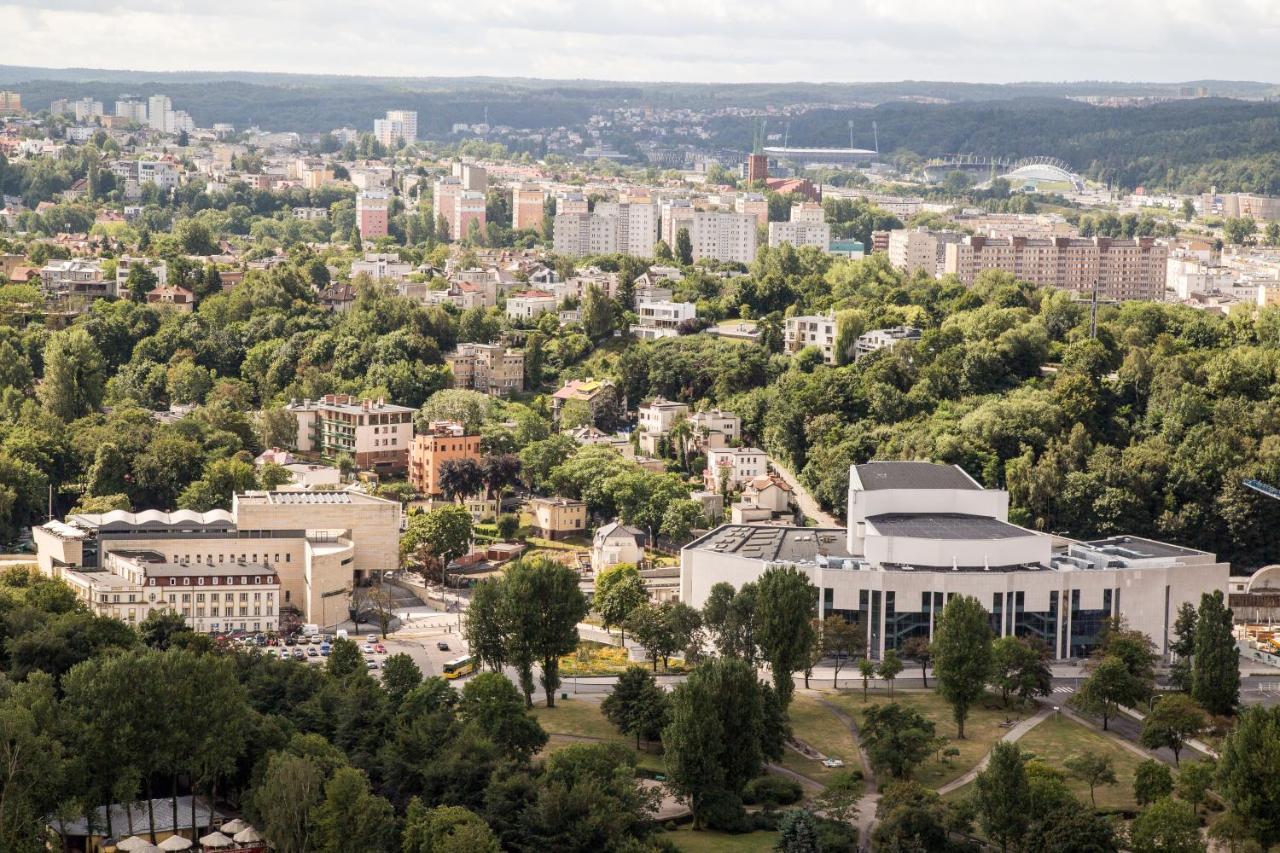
<point>487,368</point>
<point>444,440</point>
<point>1121,269</point>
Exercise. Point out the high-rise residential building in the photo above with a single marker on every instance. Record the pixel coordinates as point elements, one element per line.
<point>755,204</point>
<point>371,214</point>
<point>132,110</point>
<point>398,126</point>
<point>637,224</point>
<point>527,204</point>
<point>1118,269</point>
<point>86,109</point>
<point>676,213</point>
<point>468,210</point>
<point>159,108</point>
<point>445,192</point>
<point>10,103</point>
<point>572,203</point>
<point>474,178</point>
<point>808,227</point>
<point>920,249</point>
<point>724,236</point>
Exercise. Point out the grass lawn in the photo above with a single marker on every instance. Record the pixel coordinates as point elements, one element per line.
<point>1058,739</point>
<point>708,841</point>
<point>982,728</point>
<point>593,658</point>
<point>579,721</point>
<point>816,725</point>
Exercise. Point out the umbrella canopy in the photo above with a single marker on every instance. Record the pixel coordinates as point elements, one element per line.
<point>216,839</point>
<point>175,842</point>
<point>231,827</point>
<point>132,843</point>
<point>148,847</point>
<point>248,835</point>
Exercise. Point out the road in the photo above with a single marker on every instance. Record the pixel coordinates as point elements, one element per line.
<point>807,504</point>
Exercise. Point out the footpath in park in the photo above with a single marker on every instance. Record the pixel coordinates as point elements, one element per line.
<point>1012,736</point>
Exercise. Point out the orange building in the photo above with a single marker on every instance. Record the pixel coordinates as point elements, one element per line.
<point>443,440</point>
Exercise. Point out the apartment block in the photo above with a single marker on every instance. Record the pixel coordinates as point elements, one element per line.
<point>662,319</point>
<point>676,214</point>
<point>468,211</point>
<point>636,223</point>
<point>527,205</point>
<point>527,305</point>
<point>811,331</point>
<point>808,227</point>
<point>740,465</point>
<point>753,203</point>
<point>1119,269</point>
<point>442,442</point>
<point>472,177</point>
<point>921,249</point>
<point>375,433</point>
<point>371,214</point>
<point>724,236</point>
<point>401,125</point>
<point>489,368</point>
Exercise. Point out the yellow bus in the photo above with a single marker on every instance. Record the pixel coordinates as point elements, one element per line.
<point>460,667</point>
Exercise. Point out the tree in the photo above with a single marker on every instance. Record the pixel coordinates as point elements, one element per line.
<point>897,738</point>
<point>436,538</point>
<point>491,703</point>
<point>508,525</point>
<point>447,829</point>
<point>730,618</point>
<point>400,675</point>
<point>544,606</point>
<point>1215,669</point>
<point>1174,720</point>
<point>1183,646</point>
<point>797,833</point>
<point>352,819</point>
<point>889,668</point>
<point>161,626</point>
<point>277,427</point>
<point>619,591</point>
<point>1248,776</point>
<point>598,313</point>
<point>866,669</point>
<point>840,640</point>
<point>680,519</point>
<point>461,478</point>
<point>722,728</point>
<point>839,800</point>
<point>1239,230</point>
<point>919,650</point>
<point>962,655</point>
<point>272,475</point>
<point>1020,667</point>
<point>73,374</point>
<point>344,658</point>
<point>291,786</point>
<point>1194,781</point>
<point>1188,209</point>
<point>1003,798</point>
<point>1152,781</point>
<point>141,281</point>
<point>637,706</point>
<point>1092,769</point>
<point>1109,686</point>
<point>684,247</point>
<point>1166,826</point>
<point>650,628</point>
<point>784,611</point>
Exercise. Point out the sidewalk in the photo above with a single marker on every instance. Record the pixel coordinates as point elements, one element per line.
<point>1013,735</point>
<point>805,501</point>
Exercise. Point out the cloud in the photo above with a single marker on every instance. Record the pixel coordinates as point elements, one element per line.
<point>706,40</point>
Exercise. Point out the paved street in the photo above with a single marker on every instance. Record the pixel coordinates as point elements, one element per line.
<point>806,502</point>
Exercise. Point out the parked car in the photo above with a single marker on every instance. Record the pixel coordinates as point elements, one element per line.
<point>442,646</point>
<point>317,640</point>
<point>380,649</point>
<point>832,762</point>
<point>373,664</point>
<point>290,641</point>
<point>372,638</point>
<point>299,654</point>
<point>324,651</point>
<point>367,649</point>
<point>284,654</point>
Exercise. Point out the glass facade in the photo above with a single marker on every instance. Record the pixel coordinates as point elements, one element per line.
<point>902,626</point>
<point>1087,625</point>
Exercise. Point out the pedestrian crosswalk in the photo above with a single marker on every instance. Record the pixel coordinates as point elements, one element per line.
<point>1063,688</point>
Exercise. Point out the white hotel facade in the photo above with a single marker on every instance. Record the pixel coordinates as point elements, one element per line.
<point>921,533</point>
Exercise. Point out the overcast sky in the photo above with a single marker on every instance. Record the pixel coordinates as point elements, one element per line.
<point>691,40</point>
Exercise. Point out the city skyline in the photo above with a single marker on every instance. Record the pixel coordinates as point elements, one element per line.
<point>816,40</point>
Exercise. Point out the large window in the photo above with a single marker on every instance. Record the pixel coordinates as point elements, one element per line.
<point>1087,625</point>
<point>902,626</point>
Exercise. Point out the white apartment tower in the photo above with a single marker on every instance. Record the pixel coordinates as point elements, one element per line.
<point>724,236</point>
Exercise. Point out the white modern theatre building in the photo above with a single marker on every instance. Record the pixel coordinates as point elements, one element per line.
<point>920,533</point>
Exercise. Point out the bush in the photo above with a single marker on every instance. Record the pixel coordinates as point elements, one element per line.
<point>724,812</point>
<point>836,837</point>
<point>772,791</point>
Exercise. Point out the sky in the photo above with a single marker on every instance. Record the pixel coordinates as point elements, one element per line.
<point>736,41</point>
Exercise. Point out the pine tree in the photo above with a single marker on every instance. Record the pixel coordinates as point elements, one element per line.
<point>1215,671</point>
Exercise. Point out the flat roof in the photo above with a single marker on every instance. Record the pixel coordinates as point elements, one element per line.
<point>946,526</point>
<point>875,476</point>
<point>772,542</point>
<point>1135,547</point>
